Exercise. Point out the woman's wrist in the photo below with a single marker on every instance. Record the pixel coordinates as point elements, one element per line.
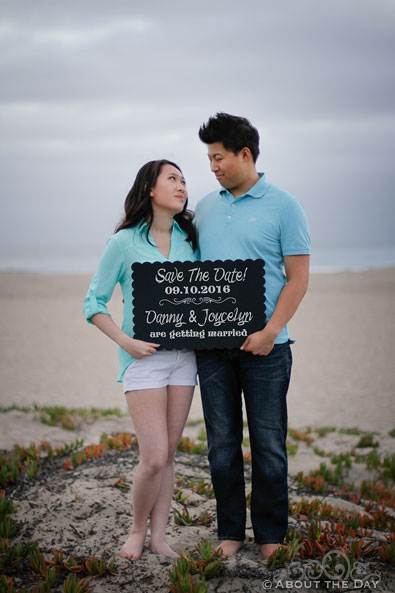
<point>125,341</point>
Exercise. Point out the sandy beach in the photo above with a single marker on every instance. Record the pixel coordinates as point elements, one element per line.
<point>80,502</point>
<point>343,356</point>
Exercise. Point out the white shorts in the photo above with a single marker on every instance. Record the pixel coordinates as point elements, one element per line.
<point>166,367</point>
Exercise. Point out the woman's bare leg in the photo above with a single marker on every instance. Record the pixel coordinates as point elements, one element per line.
<point>148,409</point>
<point>179,398</point>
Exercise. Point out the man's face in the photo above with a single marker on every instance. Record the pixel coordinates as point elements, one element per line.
<point>228,168</point>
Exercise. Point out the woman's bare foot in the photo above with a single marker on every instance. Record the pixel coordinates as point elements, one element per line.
<point>229,547</point>
<point>163,548</point>
<point>268,549</point>
<point>133,547</point>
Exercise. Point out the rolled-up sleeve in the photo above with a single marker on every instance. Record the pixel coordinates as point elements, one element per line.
<point>109,272</point>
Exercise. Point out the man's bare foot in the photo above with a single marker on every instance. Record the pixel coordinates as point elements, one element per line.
<point>163,548</point>
<point>229,547</point>
<point>133,546</point>
<point>268,549</point>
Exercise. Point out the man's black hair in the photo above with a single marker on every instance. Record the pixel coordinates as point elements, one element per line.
<point>234,132</point>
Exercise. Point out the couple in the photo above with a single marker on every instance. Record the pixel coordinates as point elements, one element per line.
<point>248,218</point>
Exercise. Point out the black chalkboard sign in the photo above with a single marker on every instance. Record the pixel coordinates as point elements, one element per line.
<point>197,305</point>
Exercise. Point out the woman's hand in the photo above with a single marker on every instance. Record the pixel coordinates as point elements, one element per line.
<point>139,349</point>
<point>136,348</point>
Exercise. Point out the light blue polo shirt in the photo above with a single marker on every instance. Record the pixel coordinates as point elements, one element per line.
<point>123,249</point>
<point>264,223</point>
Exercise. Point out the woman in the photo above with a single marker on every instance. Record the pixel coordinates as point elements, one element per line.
<point>158,385</point>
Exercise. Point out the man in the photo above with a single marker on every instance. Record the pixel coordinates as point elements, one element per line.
<point>249,218</point>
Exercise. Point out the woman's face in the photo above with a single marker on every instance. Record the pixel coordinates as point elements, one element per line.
<point>169,193</point>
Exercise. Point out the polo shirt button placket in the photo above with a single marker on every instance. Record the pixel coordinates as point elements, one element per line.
<point>229,215</point>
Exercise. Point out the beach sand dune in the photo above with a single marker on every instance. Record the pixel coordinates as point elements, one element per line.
<point>86,509</point>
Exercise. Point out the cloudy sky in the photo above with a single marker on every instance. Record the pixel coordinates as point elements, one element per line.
<point>92,90</point>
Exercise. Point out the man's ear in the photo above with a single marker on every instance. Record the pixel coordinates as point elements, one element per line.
<point>246,154</point>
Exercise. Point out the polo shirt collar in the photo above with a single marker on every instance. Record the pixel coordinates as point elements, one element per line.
<point>256,191</point>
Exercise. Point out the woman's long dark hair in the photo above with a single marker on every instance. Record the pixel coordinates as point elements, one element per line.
<point>138,203</point>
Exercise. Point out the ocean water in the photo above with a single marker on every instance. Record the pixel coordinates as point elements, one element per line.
<point>84,259</point>
<point>337,259</point>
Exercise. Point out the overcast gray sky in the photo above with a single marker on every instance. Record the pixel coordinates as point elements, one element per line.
<point>92,90</point>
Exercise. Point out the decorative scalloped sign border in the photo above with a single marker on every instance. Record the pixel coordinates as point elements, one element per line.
<point>198,305</point>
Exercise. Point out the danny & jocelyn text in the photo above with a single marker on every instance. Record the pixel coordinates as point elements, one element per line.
<point>201,318</point>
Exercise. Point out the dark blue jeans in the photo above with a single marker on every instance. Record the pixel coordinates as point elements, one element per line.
<point>264,380</point>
